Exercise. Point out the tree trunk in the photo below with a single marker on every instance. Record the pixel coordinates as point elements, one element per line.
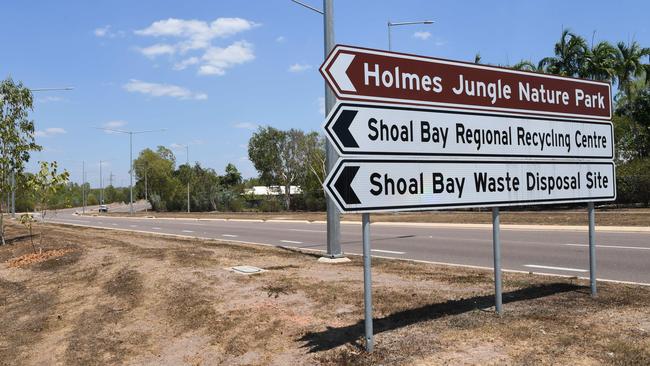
<point>2,226</point>
<point>287,196</point>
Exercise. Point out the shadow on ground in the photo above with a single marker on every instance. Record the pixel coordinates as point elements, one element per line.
<point>334,337</point>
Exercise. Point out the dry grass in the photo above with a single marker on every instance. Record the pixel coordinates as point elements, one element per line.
<point>123,298</point>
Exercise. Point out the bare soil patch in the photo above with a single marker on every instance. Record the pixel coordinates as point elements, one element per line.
<point>41,256</point>
<point>605,217</point>
<point>128,298</point>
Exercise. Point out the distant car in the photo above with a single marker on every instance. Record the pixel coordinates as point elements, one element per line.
<point>103,208</point>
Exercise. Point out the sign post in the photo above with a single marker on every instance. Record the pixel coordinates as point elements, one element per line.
<point>422,133</point>
<point>592,248</point>
<point>367,282</point>
<point>496,244</point>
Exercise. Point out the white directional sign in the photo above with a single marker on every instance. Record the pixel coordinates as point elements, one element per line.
<point>359,185</point>
<point>371,129</point>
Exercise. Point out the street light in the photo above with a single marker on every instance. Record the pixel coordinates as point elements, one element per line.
<point>395,24</point>
<point>130,133</point>
<point>13,174</point>
<point>333,218</point>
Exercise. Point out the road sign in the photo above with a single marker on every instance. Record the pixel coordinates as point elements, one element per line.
<point>359,185</point>
<point>373,75</point>
<point>374,129</point>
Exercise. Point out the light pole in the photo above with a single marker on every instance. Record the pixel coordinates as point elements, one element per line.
<point>333,216</point>
<point>83,187</point>
<point>187,156</point>
<point>130,133</point>
<point>395,24</point>
<point>101,184</point>
<point>13,173</point>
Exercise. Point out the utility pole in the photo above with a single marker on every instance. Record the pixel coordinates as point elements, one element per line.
<point>101,185</point>
<point>333,217</point>
<point>130,133</point>
<point>83,187</point>
<point>110,179</point>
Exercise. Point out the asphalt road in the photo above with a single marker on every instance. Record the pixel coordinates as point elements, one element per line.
<point>621,256</point>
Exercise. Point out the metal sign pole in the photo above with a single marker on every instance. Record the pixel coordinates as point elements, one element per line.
<point>367,281</point>
<point>496,242</point>
<point>592,248</point>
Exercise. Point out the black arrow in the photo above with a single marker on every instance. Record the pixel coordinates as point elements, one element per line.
<point>343,185</point>
<point>342,128</point>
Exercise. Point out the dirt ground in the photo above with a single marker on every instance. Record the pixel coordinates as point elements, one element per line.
<point>606,217</point>
<point>135,299</point>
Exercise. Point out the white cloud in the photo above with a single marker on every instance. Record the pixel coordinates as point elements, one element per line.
<point>185,63</point>
<point>321,105</point>
<point>299,67</point>
<point>281,39</point>
<point>102,31</point>
<point>422,35</point>
<point>49,132</point>
<point>114,124</point>
<point>440,42</point>
<point>196,34</point>
<point>246,125</point>
<point>105,32</point>
<point>50,98</point>
<point>216,60</point>
<point>157,50</point>
<point>162,90</point>
<point>182,36</point>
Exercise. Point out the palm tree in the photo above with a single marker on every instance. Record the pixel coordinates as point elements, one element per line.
<point>570,52</point>
<point>526,65</point>
<point>600,62</point>
<point>628,64</point>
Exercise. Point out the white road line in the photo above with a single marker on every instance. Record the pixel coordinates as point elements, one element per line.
<point>155,228</point>
<point>230,235</point>
<point>291,241</point>
<point>449,264</point>
<point>608,246</point>
<point>114,224</point>
<point>188,231</point>
<point>386,251</point>
<point>133,225</point>
<point>308,231</point>
<point>555,268</point>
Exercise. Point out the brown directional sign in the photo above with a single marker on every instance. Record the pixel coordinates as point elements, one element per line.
<point>373,75</point>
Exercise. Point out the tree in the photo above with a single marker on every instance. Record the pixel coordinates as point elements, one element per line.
<point>525,65</point>
<point>628,65</point>
<point>44,185</point>
<point>570,52</point>
<point>16,137</point>
<point>632,127</point>
<point>600,62</point>
<point>232,177</point>
<point>162,182</point>
<point>281,157</point>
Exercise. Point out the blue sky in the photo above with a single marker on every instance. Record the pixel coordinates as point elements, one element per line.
<point>211,71</point>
